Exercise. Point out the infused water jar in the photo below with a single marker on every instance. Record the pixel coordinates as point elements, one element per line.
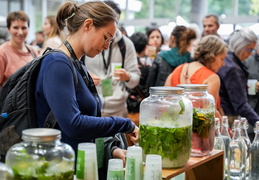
<point>6,173</point>
<point>42,156</point>
<point>166,126</point>
<point>203,127</point>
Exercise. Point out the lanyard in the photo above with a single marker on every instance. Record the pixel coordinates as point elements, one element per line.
<point>87,78</point>
<point>106,65</point>
<point>90,84</point>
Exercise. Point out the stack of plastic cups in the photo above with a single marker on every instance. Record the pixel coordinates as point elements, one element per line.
<point>134,163</point>
<point>115,169</point>
<point>86,167</point>
<point>153,167</point>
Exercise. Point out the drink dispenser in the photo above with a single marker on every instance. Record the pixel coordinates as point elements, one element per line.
<point>203,118</point>
<point>41,155</point>
<point>166,125</point>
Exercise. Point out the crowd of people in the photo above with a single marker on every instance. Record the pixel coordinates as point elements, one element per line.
<point>121,70</point>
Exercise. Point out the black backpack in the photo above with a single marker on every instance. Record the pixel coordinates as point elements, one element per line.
<point>17,103</point>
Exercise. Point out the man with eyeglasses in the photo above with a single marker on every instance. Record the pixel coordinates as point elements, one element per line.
<point>113,90</point>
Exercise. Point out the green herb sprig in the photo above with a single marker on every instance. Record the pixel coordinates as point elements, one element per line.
<point>172,143</point>
<point>202,123</point>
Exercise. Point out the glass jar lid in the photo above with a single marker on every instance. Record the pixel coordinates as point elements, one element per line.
<point>41,134</point>
<point>193,87</point>
<point>164,90</point>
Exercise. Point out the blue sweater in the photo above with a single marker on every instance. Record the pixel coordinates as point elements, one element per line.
<point>233,89</point>
<point>74,110</point>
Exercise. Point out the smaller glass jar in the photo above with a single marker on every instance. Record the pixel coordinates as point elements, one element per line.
<point>6,173</point>
<point>41,155</point>
<point>166,126</point>
<point>203,127</point>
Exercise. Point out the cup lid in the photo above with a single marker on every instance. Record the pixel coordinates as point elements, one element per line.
<point>115,164</point>
<point>87,146</point>
<point>134,151</point>
<point>153,159</point>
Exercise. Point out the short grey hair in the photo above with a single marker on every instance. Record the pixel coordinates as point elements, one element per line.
<point>240,39</point>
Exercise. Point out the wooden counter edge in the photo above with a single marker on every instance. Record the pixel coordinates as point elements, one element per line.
<point>192,163</point>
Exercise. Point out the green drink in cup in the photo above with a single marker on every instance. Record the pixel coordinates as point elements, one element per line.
<point>114,67</point>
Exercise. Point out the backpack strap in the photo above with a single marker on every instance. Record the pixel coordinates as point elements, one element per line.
<point>31,51</point>
<point>49,51</point>
<point>122,47</point>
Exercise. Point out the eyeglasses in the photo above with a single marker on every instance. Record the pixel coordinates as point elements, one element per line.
<point>249,50</point>
<point>107,39</point>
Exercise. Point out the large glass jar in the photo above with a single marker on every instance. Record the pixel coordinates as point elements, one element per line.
<point>42,156</point>
<point>166,125</point>
<point>203,126</point>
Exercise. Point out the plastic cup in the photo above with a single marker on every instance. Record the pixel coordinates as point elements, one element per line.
<point>115,66</point>
<point>86,167</point>
<point>115,169</point>
<point>251,86</point>
<point>152,52</point>
<point>153,167</point>
<point>134,163</point>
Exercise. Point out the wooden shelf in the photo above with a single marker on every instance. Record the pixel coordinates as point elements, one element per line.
<point>200,168</point>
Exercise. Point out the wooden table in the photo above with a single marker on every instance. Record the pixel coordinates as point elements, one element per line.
<point>209,167</point>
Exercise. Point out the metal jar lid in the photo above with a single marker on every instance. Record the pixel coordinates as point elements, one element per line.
<point>193,87</point>
<point>164,90</point>
<point>41,134</point>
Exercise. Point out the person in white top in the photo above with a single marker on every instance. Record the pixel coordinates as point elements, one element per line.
<point>52,33</point>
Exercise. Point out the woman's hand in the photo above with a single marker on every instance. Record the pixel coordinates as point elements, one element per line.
<point>151,51</point>
<point>134,136</point>
<point>120,154</point>
<point>122,74</point>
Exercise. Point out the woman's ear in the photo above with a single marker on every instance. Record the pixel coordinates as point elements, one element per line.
<point>88,23</point>
<point>171,42</point>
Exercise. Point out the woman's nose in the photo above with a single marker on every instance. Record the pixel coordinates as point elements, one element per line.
<point>20,31</point>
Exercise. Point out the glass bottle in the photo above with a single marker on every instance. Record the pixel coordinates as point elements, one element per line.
<point>41,155</point>
<point>203,129</point>
<point>166,126</point>
<point>254,173</point>
<point>237,155</point>
<point>218,142</point>
<point>244,126</point>
<point>226,138</point>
